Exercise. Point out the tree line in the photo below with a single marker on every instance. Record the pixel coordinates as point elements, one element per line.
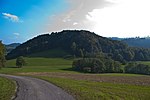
<point>96,65</point>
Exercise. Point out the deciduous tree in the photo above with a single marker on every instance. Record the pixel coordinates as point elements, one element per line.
<point>2,55</point>
<point>20,62</point>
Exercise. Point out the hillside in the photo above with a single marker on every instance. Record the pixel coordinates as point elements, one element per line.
<point>10,47</point>
<point>80,44</point>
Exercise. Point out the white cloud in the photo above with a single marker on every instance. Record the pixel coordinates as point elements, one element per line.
<point>75,23</point>
<point>74,17</point>
<point>11,17</point>
<point>127,18</point>
<point>121,18</point>
<point>17,34</point>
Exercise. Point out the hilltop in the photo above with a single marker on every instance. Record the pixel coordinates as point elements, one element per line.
<point>80,44</point>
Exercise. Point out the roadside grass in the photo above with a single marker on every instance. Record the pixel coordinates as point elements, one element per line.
<point>88,90</point>
<point>7,89</point>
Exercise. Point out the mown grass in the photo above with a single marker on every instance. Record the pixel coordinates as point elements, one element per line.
<point>7,89</point>
<point>88,90</point>
<point>38,65</point>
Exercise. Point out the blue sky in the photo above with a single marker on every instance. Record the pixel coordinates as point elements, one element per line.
<point>21,20</point>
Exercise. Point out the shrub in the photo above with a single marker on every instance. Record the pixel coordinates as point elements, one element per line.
<point>95,65</point>
<point>137,68</point>
<point>92,65</point>
<point>20,62</point>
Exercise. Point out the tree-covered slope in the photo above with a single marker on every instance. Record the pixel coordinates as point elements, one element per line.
<point>10,47</point>
<point>81,44</point>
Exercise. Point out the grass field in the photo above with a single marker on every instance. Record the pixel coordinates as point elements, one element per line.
<point>38,65</point>
<point>88,90</point>
<point>7,89</point>
<point>84,86</point>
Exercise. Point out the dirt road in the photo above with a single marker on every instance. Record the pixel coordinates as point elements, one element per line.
<point>37,89</point>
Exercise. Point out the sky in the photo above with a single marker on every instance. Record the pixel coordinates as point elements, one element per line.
<point>21,20</point>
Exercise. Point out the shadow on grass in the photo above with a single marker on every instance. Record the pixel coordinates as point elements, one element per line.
<point>72,70</point>
<point>11,67</point>
<point>68,69</point>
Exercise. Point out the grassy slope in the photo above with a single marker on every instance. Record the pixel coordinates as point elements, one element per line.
<point>7,88</point>
<point>38,65</point>
<point>81,89</point>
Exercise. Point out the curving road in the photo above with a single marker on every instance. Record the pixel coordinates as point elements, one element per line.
<point>37,89</point>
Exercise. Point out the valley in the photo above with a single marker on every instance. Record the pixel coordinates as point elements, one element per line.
<point>74,50</point>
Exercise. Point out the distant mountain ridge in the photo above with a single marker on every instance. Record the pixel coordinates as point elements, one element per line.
<point>10,47</point>
<point>80,44</point>
<point>135,42</point>
<point>138,42</point>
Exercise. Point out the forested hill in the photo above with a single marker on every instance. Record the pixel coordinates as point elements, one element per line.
<point>138,42</point>
<point>10,47</point>
<point>79,44</point>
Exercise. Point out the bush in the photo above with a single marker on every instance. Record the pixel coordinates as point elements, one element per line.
<point>137,68</point>
<point>20,62</point>
<point>2,55</point>
<point>113,66</point>
<point>92,65</point>
<point>95,65</point>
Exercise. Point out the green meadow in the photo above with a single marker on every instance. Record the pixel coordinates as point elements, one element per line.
<point>38,65</point>
<point>82,86</point>
<point>88,90</point>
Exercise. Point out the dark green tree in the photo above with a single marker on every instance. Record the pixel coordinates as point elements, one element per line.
<point>119,58</point>
<point>2,55</point>
<point>117,67</point>
<point>20,62</point>
<point>141,56</point>
<point>81,53</point>
<point>137,68</point>
<point>74,47</point>
<point>95,65</point>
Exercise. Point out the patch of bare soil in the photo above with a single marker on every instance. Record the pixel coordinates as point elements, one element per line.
<point>135,80</point>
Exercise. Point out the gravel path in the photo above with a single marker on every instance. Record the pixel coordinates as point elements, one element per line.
<point>37,89</point>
